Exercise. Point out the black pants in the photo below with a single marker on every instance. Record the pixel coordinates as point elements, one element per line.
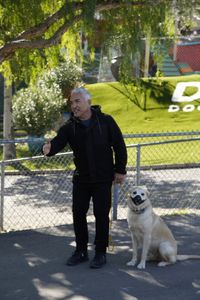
<point>101,197</point>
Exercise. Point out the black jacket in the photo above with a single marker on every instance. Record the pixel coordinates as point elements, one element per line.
<point>93,147</point>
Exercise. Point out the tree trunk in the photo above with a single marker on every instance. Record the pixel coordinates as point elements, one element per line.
<point>9,150</point>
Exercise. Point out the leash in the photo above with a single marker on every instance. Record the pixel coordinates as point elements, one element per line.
<point>111,244</point>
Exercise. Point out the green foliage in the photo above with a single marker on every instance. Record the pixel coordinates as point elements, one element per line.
<point>36,109</point>
<point>89,12</point>
<point>125,28</point>
<point>26,65</point>
<point>16,17</point>
<point>132,25</point>
<point>67,76</point>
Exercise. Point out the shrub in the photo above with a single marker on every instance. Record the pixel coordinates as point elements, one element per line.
<point>35,110</point>
<point>67,76</point>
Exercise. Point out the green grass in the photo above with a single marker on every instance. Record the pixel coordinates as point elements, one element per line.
<point>143,111</point>
<point>65,163</point>
<point>166,154</point>
<point>118,101</point>
<point>146,111</point>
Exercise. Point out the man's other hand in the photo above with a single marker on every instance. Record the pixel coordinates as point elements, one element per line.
<point>119,178</point>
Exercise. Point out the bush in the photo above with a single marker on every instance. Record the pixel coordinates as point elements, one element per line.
<point>67,76</point>
<point>35,110</point>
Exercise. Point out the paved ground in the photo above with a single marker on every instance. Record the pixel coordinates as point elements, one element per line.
<point>32,265</point>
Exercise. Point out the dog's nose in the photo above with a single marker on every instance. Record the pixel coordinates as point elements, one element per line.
<point>137,200</point>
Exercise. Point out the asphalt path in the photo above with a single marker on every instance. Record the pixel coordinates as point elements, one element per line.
<point>32,266</point>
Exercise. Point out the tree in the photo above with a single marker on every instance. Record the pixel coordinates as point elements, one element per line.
<point>35,38</point>
<point>9,151</point>
<point>50,22</point>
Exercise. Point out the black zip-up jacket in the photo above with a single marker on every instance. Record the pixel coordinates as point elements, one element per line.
<point>93,147</point>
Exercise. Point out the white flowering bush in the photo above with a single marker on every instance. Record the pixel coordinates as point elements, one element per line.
<point>35,110</point>
<point>67,75</point>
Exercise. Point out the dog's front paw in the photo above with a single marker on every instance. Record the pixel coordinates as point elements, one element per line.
<point>141,265</point>
<point>132,262</point>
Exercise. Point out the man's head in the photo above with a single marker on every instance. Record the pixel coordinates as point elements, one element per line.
<point>80,102</point>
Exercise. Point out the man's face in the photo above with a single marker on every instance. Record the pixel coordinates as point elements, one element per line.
<point>80,106</point>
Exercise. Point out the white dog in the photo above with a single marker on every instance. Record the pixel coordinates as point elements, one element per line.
<point>150,232</point>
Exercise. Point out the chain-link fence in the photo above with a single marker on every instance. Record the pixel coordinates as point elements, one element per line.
<point>171,171</point>
<point>36,191</point>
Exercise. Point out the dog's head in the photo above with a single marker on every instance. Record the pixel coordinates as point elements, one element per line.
<point>139,195</point>
<point>138,198</point>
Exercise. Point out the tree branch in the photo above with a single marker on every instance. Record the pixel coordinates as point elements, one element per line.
<point>114,5</point>
<point>9,49</point>
<point>110,5</point>
<point>32,37</point>
<point>41,28</point>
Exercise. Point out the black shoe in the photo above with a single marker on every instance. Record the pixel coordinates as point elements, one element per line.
<point>98,261</point>
<point>77,258</point>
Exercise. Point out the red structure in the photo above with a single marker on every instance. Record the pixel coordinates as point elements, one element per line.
<point>188,57</point>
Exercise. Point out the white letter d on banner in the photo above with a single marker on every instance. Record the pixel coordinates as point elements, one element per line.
<point>179,91</point>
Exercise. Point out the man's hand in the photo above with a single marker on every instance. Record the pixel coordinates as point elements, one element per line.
<point>46,148</point>
<point>119,178</point>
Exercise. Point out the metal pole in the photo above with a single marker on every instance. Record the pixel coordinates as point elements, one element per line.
<point>138,152</point>
<point>176,30</point>
<point>115,200</point>
<point>2,197</point>
<point>147,54</point>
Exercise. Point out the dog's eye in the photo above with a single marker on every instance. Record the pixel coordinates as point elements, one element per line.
<point>134,193</point>
<point>142,194</point>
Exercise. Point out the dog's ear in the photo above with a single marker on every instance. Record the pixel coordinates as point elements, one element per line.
<point>146,190</point>
<point>144,187</point>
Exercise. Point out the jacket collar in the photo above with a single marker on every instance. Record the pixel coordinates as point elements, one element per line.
<point>96,109</point>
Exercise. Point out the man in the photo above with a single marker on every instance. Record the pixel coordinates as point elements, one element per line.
<point>94,137</point>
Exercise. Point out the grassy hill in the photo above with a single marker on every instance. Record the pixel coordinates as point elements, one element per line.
<point>146,110</point>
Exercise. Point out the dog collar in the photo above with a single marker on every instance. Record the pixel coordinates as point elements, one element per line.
<point>139,211</point>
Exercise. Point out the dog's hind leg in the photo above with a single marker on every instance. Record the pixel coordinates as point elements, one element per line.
<point>168,254</point>
<point>133,261</point>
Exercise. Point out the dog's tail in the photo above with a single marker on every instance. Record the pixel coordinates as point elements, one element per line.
<point>181,257</point>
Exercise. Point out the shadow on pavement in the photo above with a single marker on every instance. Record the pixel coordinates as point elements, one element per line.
<point>32,265</point>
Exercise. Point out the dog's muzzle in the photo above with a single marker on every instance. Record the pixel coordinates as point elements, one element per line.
<point>137,200</point>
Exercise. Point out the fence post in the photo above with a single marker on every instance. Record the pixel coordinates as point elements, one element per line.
<point>138,152</point>
<point>115,201</point>
<point>2,197</point>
